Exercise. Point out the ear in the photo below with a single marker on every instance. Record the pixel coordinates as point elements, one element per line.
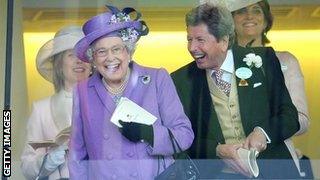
<point>224,43</point>
<point>265,24</point>
<point>94,64</point>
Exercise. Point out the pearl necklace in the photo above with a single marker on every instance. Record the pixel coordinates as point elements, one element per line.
<point>117,91</point>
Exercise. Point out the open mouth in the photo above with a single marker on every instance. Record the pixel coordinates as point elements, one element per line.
<point>112,67</point>
<point>199,57</point>
<point>249,24</point>
<point>79,69</point>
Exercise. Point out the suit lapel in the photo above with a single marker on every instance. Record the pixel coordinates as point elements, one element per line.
<point>244,92</point>
<point>132,83</point>
<point>103,95</point>
<point>208,124</point>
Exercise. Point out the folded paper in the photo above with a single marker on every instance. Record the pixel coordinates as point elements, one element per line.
<point>248,157</point>
<point>128,111</point>
<point>61,138</point>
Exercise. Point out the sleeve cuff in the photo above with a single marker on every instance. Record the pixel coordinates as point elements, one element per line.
<point>265,134</point>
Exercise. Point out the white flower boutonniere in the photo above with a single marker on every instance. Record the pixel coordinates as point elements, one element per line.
<point>253,60</point>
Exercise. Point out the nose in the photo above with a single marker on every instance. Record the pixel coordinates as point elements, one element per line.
<point>192,46</point>
<point>249,14</point>
<point>109,56</point>
<point>79,61</point>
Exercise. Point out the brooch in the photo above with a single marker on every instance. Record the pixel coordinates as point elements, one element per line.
<point>145,79</point>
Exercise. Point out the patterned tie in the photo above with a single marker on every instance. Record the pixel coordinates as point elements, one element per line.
<point>222,85</point>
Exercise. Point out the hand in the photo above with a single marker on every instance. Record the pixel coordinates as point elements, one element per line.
<point>136,132</point>
<point>256,140</point>
<point>228,153</point>
<point>55,158</point>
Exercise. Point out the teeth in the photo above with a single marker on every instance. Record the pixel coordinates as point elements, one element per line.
<point>112,66</point>
<point>197,56</point>
<point>249,24</point>
<point>80,69</point>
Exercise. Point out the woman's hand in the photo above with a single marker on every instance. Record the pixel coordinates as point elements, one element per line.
<point>136,132</point>
<point>55,158</point>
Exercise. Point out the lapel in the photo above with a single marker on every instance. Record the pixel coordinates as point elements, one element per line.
<point>61,108</point>
<point>207,125</point>
<point>244,92</point>
<point>132,83</point>
<point>105,98</point>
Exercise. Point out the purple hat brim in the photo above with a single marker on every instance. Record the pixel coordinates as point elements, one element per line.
<point>82,46</point>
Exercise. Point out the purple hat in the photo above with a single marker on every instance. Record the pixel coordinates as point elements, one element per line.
<point>113,23</point>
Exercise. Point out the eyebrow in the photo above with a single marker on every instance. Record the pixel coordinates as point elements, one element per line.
<point>109,47</point>
<point>256,7</point>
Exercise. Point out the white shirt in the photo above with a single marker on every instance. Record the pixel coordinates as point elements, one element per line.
<point>227,67</point>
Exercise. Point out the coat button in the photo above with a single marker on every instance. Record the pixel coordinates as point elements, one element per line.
<point>135,174</point>
<point>109,157</point>
<point>130,154</point>
<point>106,136</point>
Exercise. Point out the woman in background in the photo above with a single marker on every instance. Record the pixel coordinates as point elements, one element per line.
<point>58,64</point>
<point>253,19</point>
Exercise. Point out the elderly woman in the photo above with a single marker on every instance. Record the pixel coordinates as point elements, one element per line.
<point>253,20</point>
<point>57,63</point>
<point>98,148</point>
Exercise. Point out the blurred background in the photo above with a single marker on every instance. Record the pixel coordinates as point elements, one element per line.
<point>296,29</point>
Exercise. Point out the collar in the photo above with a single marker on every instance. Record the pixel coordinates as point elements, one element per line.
<point>228,63</point>
<point>61,108</point>
<point>66,94</point>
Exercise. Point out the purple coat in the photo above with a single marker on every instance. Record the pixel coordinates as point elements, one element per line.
<point>111,155</point>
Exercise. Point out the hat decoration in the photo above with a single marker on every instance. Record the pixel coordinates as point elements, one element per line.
<point>113,23</point>
<point>129,34</point>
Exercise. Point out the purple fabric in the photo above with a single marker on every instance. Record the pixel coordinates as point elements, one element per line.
<point>111,155</point>
<point>93,30</point>
<point>97,27</point>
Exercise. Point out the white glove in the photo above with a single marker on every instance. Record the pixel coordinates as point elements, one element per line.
<point>55,158</point>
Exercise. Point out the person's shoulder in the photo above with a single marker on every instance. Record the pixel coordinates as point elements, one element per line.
<point>289,61</point>
<point>286,56</point>
<point>89,82</point>
<point>42,102</point>
<point>186,69</point>
<point>148,70</point>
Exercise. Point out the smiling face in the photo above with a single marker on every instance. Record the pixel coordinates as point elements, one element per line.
<point>205,48</point>
<point>73,69</point>
<point>249,24</point>
<point>111,59</point>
